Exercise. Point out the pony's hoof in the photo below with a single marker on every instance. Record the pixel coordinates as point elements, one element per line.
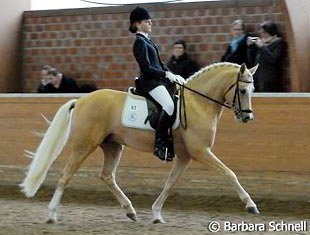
<point>159,221</point>
<point>132,216</point>
<point>51,221</point>
<point>253,210</point>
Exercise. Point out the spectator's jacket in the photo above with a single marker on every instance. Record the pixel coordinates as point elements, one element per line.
<point>270,57</point>
<point>240,55</point>
<point>67,85</point>
<point>183,66</point>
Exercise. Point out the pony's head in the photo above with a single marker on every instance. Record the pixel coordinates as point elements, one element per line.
<point>238,95</point>
<point>227,84</point>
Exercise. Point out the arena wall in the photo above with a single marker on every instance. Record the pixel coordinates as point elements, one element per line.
<point>94,45</point>
<point>277,140</point>
<point>11,17</point>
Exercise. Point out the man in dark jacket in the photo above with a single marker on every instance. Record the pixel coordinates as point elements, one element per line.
<point>58,83</point>
<point>180,63</point>
<point>237,49</point>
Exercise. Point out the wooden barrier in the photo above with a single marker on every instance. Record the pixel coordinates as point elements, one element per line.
<point>277,140</point>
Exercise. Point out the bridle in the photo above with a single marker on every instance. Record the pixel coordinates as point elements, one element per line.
<point>237,109</point>
<point>236,98</point>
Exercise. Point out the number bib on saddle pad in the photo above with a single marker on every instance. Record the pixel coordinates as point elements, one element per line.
<point>135,112</point>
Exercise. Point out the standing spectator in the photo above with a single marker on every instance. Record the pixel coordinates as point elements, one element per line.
<point>56,82</point>
<point>237,49</point>
<point>180,63</point>
<point>269,52</point>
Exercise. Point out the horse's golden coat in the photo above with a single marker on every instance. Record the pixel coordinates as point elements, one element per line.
<point>96,121</point>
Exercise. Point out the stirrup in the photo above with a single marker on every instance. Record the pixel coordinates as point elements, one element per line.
<point>163,152</point>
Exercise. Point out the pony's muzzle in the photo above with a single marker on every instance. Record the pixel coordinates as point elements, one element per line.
<point>244,115</point>
<point>247,118</point>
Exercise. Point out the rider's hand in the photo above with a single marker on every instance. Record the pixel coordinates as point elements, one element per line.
<point>174,78</point>
<point>181,79</point>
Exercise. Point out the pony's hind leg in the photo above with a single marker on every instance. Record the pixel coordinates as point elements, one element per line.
<point>74,162</point>
<point>211,160</point>
<point>112,154</point>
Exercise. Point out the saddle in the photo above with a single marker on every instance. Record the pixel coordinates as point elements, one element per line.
<point>143,112</point>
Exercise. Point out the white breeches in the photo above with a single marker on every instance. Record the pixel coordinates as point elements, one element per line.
<point>162,96</point>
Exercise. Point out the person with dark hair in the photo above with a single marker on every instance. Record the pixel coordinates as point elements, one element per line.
<point>269,51</point>
<point>155,78</point>
<point>180,63</point>
<point>237,49</point>
<point>57,82</point>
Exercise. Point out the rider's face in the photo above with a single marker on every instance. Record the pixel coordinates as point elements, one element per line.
<point>145,26</point>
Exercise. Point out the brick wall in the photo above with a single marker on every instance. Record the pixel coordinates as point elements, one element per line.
<point>94,45</point>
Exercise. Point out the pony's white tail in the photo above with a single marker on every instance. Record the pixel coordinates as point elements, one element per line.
<point>50,147</point>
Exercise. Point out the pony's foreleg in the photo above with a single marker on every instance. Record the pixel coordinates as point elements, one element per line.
<point>180,164</point>
<point>211,160</point>
<point>74,162</point>
<point>112,155</point>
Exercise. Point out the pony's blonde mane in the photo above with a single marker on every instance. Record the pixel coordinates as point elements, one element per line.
<point>196,76</point>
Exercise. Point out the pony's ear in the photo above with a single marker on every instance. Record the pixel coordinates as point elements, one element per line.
<point>242,68</point>
<point>254,69</point>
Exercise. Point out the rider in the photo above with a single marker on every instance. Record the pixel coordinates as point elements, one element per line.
<point>154,77</point>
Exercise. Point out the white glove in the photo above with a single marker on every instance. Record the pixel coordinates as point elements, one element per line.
<point>174,78</point>
<point>181,79</point>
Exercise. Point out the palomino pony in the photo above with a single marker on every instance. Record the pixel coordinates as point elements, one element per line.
<point>94,120</point>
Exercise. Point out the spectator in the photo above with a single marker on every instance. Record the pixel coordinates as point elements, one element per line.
<point>44,76</point>
<point>237,49</point>
<point>87,88</point>
<point>56,82</point>
<point>269,52</point>
<point>180,63</point>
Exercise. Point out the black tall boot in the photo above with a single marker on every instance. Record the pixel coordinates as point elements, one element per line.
<point>163,141</point>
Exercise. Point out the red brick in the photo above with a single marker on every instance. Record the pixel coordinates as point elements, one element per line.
<point>102,43</point>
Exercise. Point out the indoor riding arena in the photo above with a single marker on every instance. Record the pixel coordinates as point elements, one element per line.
<point>269,155</point>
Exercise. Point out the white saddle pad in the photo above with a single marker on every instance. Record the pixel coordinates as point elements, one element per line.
<point>135,112</point>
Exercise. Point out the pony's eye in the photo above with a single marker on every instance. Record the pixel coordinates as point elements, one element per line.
<point>243,91</point>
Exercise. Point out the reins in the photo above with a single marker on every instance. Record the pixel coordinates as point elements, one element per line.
<point>205,96</point>
<point>183,104</point>
<point>232,106</point>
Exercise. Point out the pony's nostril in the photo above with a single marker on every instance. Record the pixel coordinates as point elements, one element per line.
<point>247,118</point>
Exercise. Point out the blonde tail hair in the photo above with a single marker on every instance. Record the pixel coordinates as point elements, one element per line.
<point>50,147</point>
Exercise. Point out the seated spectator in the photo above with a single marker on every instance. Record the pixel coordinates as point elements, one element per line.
<point>56,82</point>
<point>44,76</point>
<point>87,88</point>
<point>237,49</point>
<point>269,51</point>
<point>180,63</point>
